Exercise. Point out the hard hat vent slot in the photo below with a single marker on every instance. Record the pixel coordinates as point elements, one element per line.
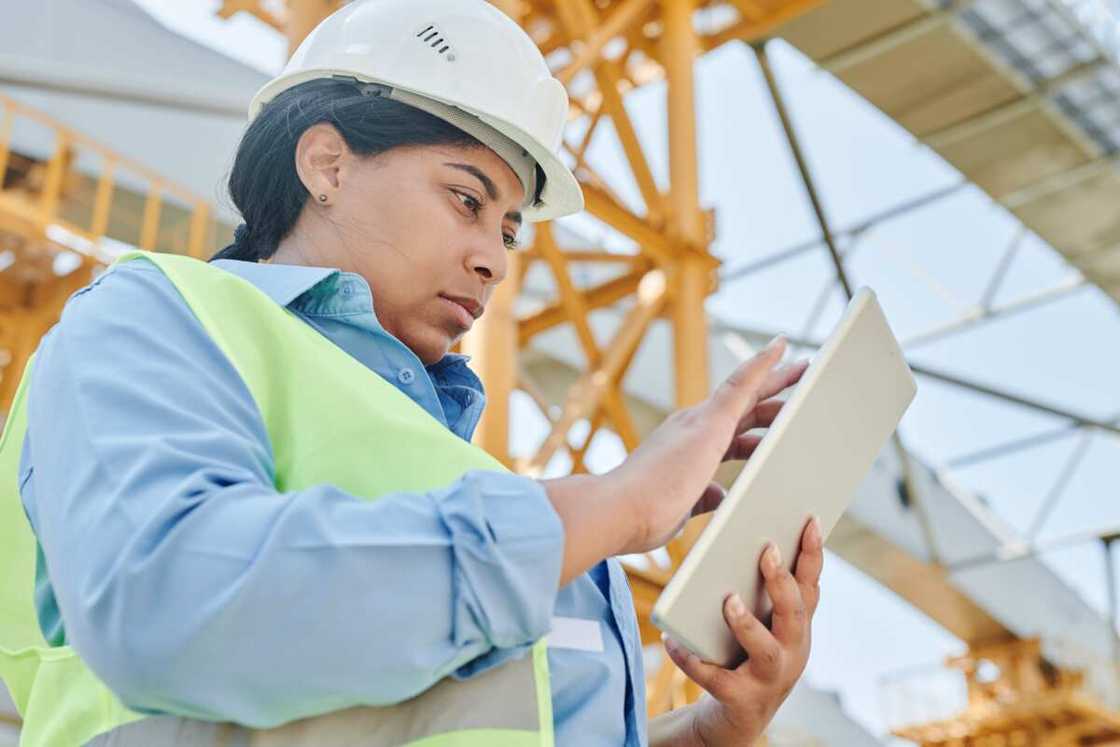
<point>433,38</point>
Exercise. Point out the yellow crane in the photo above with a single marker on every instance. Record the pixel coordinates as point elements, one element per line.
<point>55,220</point>
<point>73,202</point>
<point>1017,698</point>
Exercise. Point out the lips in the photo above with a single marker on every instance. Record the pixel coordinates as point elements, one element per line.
<point>462,310</point>
<point>473,307</point>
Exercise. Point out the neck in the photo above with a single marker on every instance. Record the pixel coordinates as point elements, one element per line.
<point>298,247</point>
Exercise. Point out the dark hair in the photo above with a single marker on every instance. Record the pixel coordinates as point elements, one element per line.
<point>264,184</point>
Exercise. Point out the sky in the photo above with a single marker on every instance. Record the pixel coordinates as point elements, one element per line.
<point>927,268</point>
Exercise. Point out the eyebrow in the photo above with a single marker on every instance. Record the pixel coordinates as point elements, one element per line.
<point>487,183</point>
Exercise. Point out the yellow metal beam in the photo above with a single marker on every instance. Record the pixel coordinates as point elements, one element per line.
<point>650,238</point>
<point>56,174</point>
<point>5,139</point>
<point>580,19</point>
<point>253,8</point>
<point>690,281</point>
<point>625,15</point>
<point>606,294</point>
<point>492,345</point>
<point>199,231</point>
<point>587,394</point>
<point>303,16</point>
<point>149,229</point>
<point>103,200</point>
<point>751,30</point>
<point>515,9</point>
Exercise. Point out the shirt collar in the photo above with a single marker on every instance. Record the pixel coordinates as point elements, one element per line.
<point>282,283</point>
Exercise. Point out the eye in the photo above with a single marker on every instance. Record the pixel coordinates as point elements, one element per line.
<point>468,201</point>
<point>511,241</point>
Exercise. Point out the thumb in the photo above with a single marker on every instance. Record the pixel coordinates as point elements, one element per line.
<point>739,391</point>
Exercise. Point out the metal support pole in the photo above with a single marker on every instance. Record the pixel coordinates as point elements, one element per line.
<point>1019,550</point>
<point>492,344</point>
<point>1113,596</point>
<point>853,230</point>
<point>1001,270</point>
<point>1018,444</point>
<point>981,315</point>
<point>802,166</point>
<point>1058,489</point>
<point>690,284</point>
<point>842,277</point>
<point>1112,425</point>
<point>1008,447</point>
<point>690,279</point>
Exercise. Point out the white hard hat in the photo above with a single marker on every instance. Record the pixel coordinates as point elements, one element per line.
<point>461,60</point>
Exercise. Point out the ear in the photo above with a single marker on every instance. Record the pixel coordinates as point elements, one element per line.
<point>320,155</point>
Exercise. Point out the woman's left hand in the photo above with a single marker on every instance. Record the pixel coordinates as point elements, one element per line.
<point>741,701</point>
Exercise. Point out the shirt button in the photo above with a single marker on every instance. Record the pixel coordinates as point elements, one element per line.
<point>406,376</point>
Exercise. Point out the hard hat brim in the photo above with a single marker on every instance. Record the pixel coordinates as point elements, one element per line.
<point>561,195</point>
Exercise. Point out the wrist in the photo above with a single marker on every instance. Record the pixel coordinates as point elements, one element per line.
<point>628,516</point>
<point>596,517</point>
<point>675,728</point>
<point>712,726</point>
<point>695,735</point>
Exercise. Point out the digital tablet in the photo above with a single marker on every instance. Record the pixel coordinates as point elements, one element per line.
<point>809,463</point>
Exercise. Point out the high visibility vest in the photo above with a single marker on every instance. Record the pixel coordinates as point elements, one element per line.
<point>313,438</point>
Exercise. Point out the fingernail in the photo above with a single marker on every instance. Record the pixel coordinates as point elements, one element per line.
<point>735,604</point>
<point>774,342</point>
<point>814,531</point>
<point>775,556</point>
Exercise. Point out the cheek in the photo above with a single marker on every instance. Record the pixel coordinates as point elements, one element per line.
<point>436,245</point>
<point>410,249</point>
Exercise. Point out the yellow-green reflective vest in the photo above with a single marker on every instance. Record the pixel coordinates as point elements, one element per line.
<point>282,360</point>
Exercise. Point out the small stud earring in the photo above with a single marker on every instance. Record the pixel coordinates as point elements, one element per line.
<point>322,198</point>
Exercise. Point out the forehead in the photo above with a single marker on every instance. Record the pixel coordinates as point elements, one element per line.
<point>484,160</point>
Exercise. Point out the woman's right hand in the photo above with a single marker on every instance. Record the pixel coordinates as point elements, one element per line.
<point>668,478</point>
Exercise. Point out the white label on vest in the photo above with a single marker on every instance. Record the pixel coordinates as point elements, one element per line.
<point>575,633</point>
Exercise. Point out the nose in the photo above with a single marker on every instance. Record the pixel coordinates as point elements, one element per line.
<point>487,258</point>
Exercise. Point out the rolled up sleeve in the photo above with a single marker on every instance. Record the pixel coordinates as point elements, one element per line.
<point>191,586</point>
<point>498,525</point>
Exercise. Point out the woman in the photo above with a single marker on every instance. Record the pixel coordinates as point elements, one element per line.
<point>256,512</point>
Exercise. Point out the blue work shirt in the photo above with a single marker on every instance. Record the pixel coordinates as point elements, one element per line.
<point>170,562</point>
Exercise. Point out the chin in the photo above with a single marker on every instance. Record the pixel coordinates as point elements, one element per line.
<point>431,347</point>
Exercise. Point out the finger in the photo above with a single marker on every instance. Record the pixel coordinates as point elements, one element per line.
<point>762,416</point>
<point>779,379</point>
<point>711,498</point>
<point>809,563</point>
<point>715,679</point>
<point>789,619</point>
<point>739,391</point>
<point>783,377</point>
<point>764,653</point>
<point>742,447</point>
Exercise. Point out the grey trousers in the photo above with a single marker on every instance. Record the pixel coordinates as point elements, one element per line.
<point>158,731</point>
<point>505,697</point>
